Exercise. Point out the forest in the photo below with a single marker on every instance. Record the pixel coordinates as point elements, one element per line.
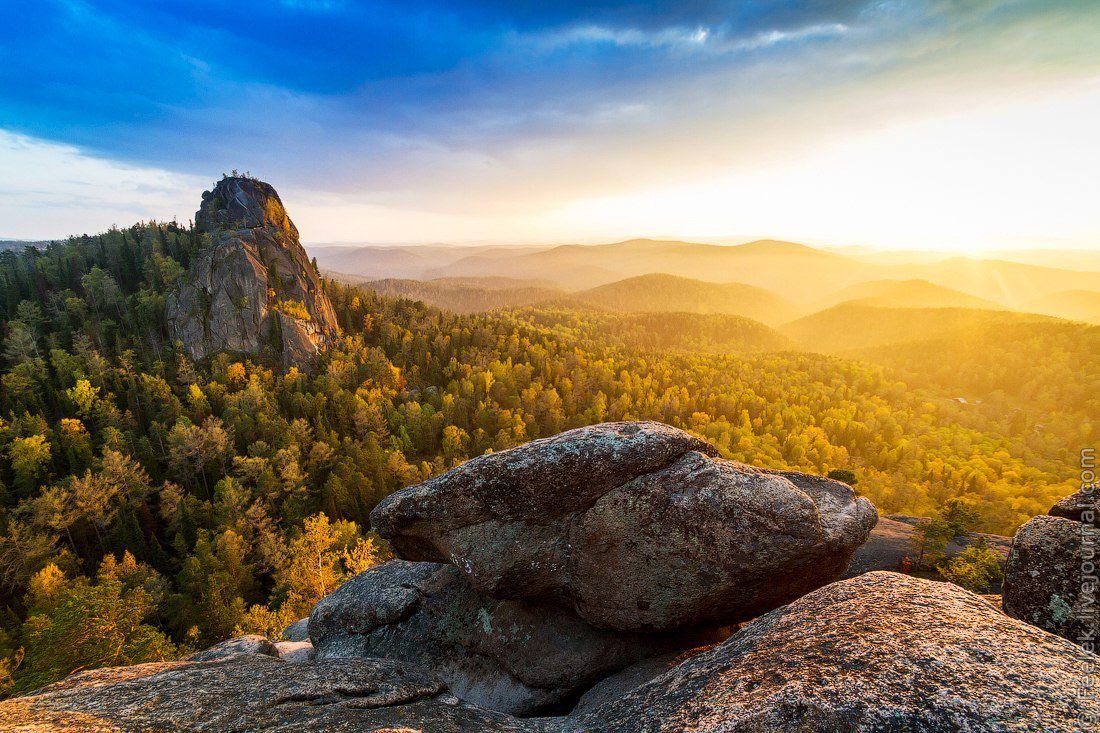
<point>150,505</point>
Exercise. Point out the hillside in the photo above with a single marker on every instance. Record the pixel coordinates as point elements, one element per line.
<point>669,293</point>
<point>1014,364</point>
<point>794,271</point>
<point>377,262</point>
<point>466,295</point>
<point>851,326</point>
<point>907,294</point>
<point>656,332</point>
<point>1014,284</point>
<point>1073,305</point>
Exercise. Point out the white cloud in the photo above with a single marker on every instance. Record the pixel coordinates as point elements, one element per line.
<point>50,190</point>
<point>774,37</point>
<point>718,40</point>
<point>663,37</point>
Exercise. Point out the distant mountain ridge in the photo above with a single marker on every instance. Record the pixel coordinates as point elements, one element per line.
<point>1074,305</point>
<point>802,274</point>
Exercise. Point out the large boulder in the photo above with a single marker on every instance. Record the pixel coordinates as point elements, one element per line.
<point>636,525</point>
<point>1045,582</point>
<point>249,644</point>
<point>297,631</point>
<point>510,656</point>
<point>881,652</point>
<point>252,693</point>
<point>1080,506</point>
<point>253,286</point>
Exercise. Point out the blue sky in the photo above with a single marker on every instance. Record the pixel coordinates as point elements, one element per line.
<point>525,121</point>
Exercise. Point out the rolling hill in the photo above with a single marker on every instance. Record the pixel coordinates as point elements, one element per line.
<point>671,294</point>
<point>658,332</point>
<point>907,294</point>
<point>466,295</point>
<point>853,326</point>
<point>374,262</point>
<point>812,278</point>
<point>1040,372</point>
<point>1074,305</point>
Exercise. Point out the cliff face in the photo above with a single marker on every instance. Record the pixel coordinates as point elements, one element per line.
<point>254,286</point>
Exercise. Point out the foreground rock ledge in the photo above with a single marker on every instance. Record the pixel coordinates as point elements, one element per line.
<point>880,653</point>
<point>252,692</point>
<point>636,525</point>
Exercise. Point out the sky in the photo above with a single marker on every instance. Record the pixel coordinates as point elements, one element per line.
<point>961,126</point>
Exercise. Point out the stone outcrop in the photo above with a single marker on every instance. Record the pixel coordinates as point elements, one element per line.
<point>297,631</point>
<point>637,526</point>
<point>250,644</point>
<point>254,692</point>
<point>252,287</point>
<point>1080,506</point>
<point>509,656</point>
<point>881,652</point>
<point>575,566</point>
<point>1044,583</point>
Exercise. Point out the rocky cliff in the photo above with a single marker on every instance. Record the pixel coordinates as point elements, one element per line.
<point>252,288</point>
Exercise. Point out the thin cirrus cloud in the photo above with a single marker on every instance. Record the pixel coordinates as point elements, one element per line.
<point>498,120</point>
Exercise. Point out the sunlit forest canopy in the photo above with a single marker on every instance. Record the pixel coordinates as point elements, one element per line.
<point>183,498</point>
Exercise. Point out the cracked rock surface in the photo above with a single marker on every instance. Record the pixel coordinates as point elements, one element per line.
<point>635,525</point>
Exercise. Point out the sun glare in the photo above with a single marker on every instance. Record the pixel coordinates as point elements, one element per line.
<point>1020,172</point>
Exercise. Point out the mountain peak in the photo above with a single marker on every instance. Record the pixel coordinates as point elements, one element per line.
<point>242,202</point>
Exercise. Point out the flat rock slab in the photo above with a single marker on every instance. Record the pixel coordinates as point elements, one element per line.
<point>510,656</point>
<point>881,652</point>
<point>635,525</point>
<point>254,693</point>
<point>294,651</point>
